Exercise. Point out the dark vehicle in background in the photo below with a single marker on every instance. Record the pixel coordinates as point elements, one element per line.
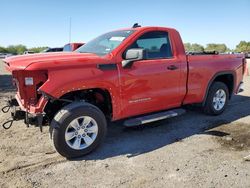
<point>52,50</point>
<point>70,47</point>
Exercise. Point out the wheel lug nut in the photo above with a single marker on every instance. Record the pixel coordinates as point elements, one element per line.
<point>83,135</point>
<point>79,136</point>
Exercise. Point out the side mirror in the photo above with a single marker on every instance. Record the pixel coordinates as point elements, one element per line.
<point>134,54</point>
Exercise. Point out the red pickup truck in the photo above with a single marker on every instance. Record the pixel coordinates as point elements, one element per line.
<point>70,47</point>
<point>138,74</point>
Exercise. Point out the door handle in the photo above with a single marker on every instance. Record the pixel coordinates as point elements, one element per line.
<point>172,67</point>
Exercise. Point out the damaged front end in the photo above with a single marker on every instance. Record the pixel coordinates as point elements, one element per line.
<point>17,113</point>
<point>28,103</point>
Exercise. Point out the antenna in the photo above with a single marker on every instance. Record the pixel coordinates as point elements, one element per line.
<point>69,29</point>
<point>136,25</point>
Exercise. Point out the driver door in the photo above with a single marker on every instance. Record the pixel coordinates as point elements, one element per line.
<point>151,84</point>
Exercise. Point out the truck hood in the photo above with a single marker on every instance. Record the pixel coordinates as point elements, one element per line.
<point>55,59</point>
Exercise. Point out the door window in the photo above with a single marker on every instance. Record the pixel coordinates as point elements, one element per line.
<point>156,45</point>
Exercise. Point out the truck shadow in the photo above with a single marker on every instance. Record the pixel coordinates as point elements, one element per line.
<point>136,141</point>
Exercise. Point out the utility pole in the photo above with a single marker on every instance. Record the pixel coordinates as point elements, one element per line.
<point>69,29</point>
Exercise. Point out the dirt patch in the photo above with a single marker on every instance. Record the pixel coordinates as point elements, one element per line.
<point>234,136</point>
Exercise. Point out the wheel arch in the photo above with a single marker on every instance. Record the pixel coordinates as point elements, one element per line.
<point>227,77</point>
<point>97,96</point>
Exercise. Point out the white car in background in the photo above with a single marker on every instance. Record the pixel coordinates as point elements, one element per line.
<point>5,55</point>
<point>28,52</point>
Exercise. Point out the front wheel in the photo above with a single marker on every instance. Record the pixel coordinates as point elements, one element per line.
<point>78,129</point>
<point>217,99</point>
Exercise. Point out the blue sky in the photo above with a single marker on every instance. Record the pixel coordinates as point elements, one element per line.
<point>46,22</point>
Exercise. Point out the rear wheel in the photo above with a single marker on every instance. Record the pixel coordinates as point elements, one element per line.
<point>217,99</point>
<point>78,129</point>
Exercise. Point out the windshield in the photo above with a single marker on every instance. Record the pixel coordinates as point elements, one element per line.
<point>105,43</point>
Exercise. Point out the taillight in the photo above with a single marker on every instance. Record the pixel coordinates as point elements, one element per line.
<point>244,66</point>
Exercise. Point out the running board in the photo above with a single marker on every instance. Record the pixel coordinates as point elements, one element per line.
<point>153,117</point>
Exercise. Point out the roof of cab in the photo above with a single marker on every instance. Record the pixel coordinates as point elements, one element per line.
<point>145,28</point>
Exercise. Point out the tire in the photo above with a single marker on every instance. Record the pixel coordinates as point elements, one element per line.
<point>214,108</point>
<point>85,123</point>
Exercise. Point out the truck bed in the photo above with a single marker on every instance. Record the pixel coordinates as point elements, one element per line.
<point>202,68</point>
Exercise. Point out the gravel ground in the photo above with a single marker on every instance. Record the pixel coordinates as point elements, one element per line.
<point>193,150</point>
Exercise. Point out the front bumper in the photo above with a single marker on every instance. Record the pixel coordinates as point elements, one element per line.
<point>17,112</point>
<point>32,109</point>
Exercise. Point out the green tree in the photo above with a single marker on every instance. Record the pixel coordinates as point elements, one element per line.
<point>21,48</point>
<point>243,46</point>
<point>16,49</point>
<point>11,49</point>
<point>221,48</point>
<point>37,49</point>
<point>187,47</point>
<point>197,48</point>
<point>193,47</point>
<point>3,50</point>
